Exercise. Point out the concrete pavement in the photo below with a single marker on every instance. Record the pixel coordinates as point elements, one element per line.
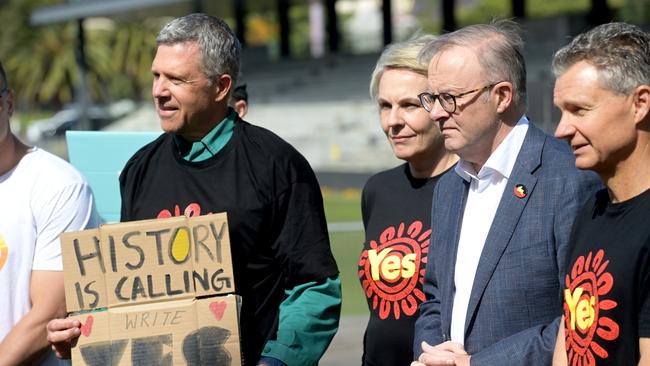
<point>347,347</point>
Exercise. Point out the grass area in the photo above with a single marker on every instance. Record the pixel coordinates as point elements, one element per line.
<point>346,247</point>
<point>342,205</point>
<point>345,206</point>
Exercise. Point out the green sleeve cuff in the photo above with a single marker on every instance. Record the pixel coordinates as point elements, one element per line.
<point>309,318</point>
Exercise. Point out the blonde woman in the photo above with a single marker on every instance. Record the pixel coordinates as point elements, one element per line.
<point>396,205</point>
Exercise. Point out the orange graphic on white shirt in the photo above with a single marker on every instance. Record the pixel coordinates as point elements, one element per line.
<point>584,304</point>
<point>4,252</point>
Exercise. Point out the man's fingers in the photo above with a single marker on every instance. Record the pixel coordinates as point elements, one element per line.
<point>453,347</point>
<point>62,335</point>
<point>67,335</point>
<point>436,359</point>
<point>438,355</point>
<point>55,325</point>
<point>457,348</point>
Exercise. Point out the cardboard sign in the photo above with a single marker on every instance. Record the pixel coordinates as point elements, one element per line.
<point>147,261</point>
<point>146,292</point>
<point>180,332</point>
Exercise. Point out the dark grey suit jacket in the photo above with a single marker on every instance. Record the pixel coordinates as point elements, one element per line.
<point>515,303</point>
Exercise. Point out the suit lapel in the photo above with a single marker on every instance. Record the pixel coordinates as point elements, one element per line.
<point>448,218</point>
<point>507,215</point>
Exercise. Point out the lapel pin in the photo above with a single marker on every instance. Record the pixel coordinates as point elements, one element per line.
<point>520,191</point>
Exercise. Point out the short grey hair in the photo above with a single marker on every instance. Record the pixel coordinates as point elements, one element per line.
<point>499,48</point>
<point>401,55</point>
<point>220,49</point>
<point>620,52</point>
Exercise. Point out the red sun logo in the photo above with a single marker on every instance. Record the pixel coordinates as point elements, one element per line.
<point>584,302</point>
<point>192,210</point>
<point>391,269</point>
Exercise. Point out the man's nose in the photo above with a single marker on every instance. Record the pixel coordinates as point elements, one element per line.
<point>565,128</point>
<point>438,113</point>
<point>159,87</point>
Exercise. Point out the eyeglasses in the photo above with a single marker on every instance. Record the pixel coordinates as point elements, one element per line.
<point>3,90</point>
<point>447,101</point>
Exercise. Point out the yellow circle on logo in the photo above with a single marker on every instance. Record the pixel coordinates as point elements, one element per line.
<point>4,252</point>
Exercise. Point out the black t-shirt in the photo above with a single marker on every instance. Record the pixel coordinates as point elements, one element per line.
<point>396,209</point>
<point>606,298</point>
<point>275,213</point>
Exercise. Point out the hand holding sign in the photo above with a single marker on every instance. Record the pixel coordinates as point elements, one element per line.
<point>155,290</point>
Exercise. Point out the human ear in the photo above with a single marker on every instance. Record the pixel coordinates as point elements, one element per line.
<point>223,86</point>
<point>504,92</point>
<point>641,103</point>
<point>241,107</point>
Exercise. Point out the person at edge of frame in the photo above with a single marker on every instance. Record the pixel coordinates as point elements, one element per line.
<point>602,88</point>
<point>41,196</point>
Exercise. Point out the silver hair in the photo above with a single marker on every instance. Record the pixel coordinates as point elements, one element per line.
<point>499,48</point>
<point>620,52</point>
<point>401,55</point>
<point>220,49</point>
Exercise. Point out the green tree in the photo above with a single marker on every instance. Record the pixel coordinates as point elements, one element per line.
<point>41,60</point>
<point>635,11</point>
<point>133,46</point>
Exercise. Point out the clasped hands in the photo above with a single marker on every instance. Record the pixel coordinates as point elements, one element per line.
<point>444,354</point>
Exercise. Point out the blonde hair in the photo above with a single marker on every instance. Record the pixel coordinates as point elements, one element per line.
<point>401,55</point>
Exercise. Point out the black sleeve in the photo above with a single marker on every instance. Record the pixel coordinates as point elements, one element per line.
<point>303,242</point>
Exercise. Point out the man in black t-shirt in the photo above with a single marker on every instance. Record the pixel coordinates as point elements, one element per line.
<point>603,92</point>
<point>210,160</point>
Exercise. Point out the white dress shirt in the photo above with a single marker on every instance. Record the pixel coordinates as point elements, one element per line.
<point>485,192</point>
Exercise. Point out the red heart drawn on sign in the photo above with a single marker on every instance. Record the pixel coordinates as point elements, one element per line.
<point>218,308</point>
<point>87,328</point>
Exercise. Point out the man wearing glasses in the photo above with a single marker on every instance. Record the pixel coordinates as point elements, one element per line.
<point>501,219</point>
<point>41,196</point>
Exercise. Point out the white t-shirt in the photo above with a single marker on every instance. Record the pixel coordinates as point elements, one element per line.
<point>40,198</point>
